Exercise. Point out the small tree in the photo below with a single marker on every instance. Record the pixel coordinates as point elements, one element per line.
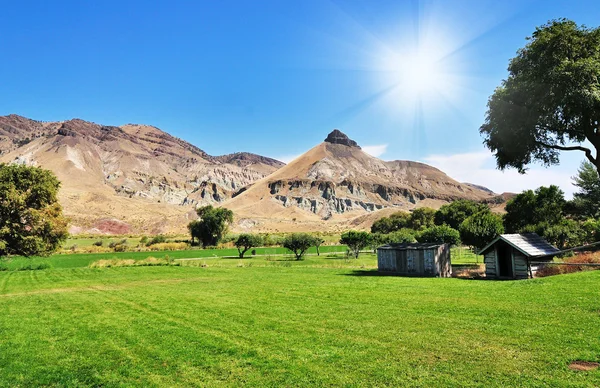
<point>245,242</point>
<point>356,241</point>
<point>481,228</point>
<point>439,234</point>
<point>298,243</point>
<point>212,225</point>
<point>587,198</point>
<point>318,242</point>
<point>31,219</point>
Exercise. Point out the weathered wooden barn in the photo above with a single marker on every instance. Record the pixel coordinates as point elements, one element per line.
<point>415,259</point>
<point>516,256</point>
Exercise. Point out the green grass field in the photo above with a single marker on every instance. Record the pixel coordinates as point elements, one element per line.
<point>293,326</point>
<point>77,260</point>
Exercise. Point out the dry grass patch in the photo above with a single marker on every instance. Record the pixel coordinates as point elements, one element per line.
<point>583,258</point>
<point>150,261</point>
<point>583,365</point>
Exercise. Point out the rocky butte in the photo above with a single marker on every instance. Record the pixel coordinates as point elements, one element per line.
<point>336,185</point>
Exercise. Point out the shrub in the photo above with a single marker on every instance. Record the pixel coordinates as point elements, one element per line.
<point>98,243</point>
<point>168,246</point>
<point>150,261</point>
<point>144,240</point>
<point>439,234</point>
<point>159,239</point>
<point>583,258</point>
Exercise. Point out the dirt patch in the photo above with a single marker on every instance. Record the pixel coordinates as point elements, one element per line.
<point>583,365</point>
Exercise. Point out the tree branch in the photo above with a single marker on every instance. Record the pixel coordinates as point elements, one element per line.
<point>587,151</point>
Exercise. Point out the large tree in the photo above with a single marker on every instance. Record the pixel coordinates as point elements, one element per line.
<point>211,226</point>
<point>31,220</point>
<point>544,205</point>
<point>550,101</point>
<point>456,212</point>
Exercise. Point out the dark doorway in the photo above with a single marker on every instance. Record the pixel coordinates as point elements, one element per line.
<point>505,261</point>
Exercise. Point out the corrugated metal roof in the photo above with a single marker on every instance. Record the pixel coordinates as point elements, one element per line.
<point>529,244</point>
<point>402,246</point>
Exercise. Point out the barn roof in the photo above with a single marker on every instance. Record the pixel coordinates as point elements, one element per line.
<point>529,244</point>
<point>404,246</point>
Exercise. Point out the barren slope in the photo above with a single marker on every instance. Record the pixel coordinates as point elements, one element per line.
<point>135,176</point>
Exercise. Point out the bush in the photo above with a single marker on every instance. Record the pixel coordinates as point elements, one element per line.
<point>168,246</point>
<point>583,258</point>
<point>159,239</point>
<point>144,240</point>
<point>118,246</point>
<point>439,234</point>
<point>98,243</point>
<point>150,261</point>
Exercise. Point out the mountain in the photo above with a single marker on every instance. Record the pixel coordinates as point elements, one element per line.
<point>336,184</point>
<point>128,179</point>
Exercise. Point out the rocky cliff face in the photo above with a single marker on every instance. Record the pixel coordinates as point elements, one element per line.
<point>138,164</point>
<point>336,181</point>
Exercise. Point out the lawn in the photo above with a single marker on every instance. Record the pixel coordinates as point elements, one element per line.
<point>293,325</point>
<point>460,255</point>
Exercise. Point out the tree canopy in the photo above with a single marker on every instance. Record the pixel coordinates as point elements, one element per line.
<point>299,243</point>
<point>439,234</point>
<point>544,205</point>
<point>356,240</point>
<point>550,101</point>
<point>481,228</point>
<point>31,220</point>
<point>211,226</point>
<point>456,212</point>
<point>586,200</point>
<point>245,241</point>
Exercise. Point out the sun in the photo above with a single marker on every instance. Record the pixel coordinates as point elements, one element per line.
<point>419,73</point>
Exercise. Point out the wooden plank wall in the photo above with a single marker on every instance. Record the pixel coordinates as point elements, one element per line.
<point>490,264</point>
<point>520,265</point>
<point>386,260</point>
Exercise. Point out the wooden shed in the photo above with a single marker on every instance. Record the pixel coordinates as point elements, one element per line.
<point>415,259</point>
<point>515,256</point>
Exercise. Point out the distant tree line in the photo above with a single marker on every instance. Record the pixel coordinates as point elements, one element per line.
<point>544,211</point>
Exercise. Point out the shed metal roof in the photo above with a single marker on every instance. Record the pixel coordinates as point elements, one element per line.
<point>405,246</point>
<point>530,244</point>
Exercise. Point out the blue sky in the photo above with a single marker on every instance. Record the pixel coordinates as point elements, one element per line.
<point>406,79</point>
